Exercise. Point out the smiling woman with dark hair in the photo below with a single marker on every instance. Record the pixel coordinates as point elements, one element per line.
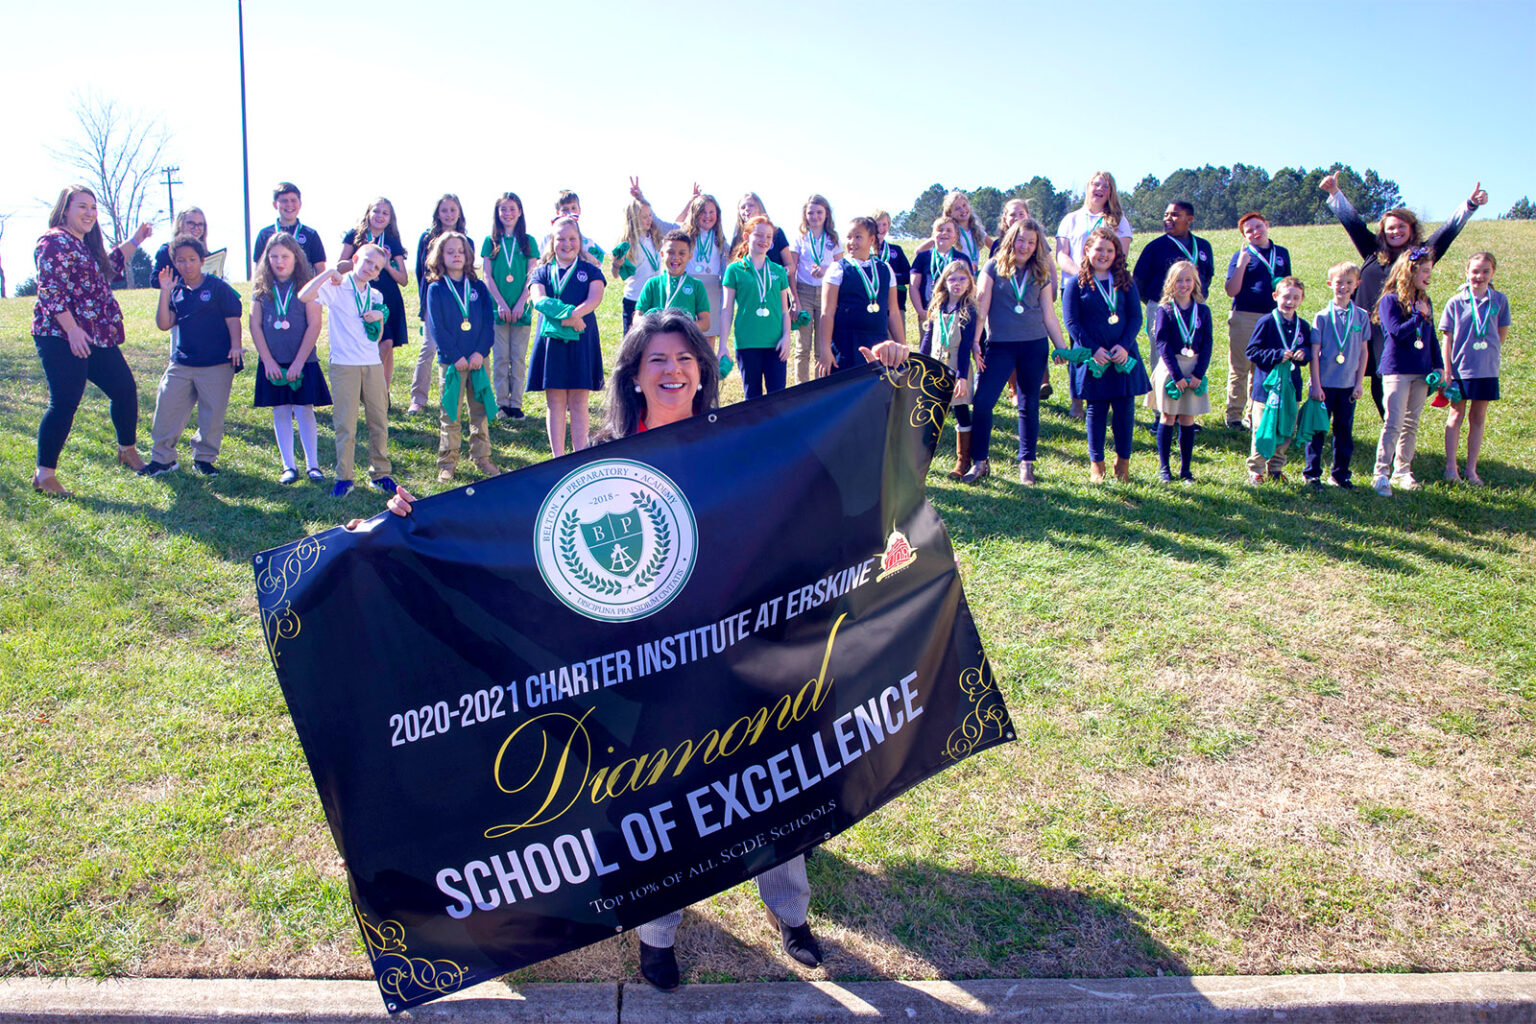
<point>1396,232</point>
<point>664,373</point>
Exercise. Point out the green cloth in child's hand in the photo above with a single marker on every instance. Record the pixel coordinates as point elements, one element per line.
<point>480,387</point>
<point>726,366</point>
<point>1433,378</point>
<point>596,251</point>
<point>555,313</point>
<point>1279,419</point>
<point>1127,366</point>
<point>280,380</point>
<point>621,250</point>
<point>802,319</point>
<point>375,328</point>
<point>1313,419</point>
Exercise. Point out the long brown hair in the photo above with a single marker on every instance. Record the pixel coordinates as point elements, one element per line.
<point>1112,208</point>
<point>437,269</point>
<point>1415,234</point>
<point>691,220</point>
<point>93,238</point>
<point>742,231</point>
<point>743,247</point>
<point>942,296</point>
<point>1040,266</point>
<point>1400,284</point>
<point>391,233</point>
<point>263,280</point>
<point>437,225</point>
<point>828,231</point>
<point>1117,271</point>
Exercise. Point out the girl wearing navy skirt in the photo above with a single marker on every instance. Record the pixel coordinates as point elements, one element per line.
<point>567,359</point>
<point>285,331</point>
<point>1181,344</point>
<point>1473,328</point>
<point>379,227</point>
<point>447,216</point>
<point>1103,314</point>
<point>1017,301</point>
<point>951,336</point>
<point>858,303</point>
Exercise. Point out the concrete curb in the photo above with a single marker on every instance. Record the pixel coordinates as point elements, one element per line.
<point>1492,998</point>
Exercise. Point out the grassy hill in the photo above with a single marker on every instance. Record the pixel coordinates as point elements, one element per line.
<point>1260,730</point>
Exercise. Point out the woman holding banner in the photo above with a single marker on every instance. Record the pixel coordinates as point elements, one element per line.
<point>665,372</point>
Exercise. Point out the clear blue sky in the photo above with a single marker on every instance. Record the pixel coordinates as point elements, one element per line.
<point>413,99</point>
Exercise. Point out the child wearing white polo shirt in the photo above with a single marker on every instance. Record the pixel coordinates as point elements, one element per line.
<point>357,314</point>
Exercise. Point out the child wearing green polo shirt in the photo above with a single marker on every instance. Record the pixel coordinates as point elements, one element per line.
<point>761,319</point>
<point>675,289</point>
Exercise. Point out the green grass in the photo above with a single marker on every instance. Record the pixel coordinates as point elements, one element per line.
<point>1260,730</point>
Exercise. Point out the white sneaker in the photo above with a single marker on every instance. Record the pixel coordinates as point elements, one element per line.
<point>1406,482</point>
<point>1382,486</point>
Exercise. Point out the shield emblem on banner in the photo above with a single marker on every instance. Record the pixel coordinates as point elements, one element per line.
<point>615,541</point>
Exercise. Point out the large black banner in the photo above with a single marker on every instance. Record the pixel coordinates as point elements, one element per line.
<point>556,704</point>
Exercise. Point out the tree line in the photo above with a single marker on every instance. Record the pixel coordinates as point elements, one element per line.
<point>1220,195</point>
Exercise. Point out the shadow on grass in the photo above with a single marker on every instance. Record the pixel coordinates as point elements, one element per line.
<point>1202,523</point>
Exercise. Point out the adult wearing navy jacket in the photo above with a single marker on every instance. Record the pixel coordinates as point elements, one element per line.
<point>1103,313</point>
<point>459,313</point>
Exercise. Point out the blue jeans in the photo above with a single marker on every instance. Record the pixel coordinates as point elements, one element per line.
<point>1118,414</point>
<point>1002,358</point>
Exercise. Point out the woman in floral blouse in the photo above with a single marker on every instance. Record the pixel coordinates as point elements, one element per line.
<point>77,327</point>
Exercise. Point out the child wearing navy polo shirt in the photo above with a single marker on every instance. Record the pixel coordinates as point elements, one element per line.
<point>1338,373</point>
<point>928,266</point>
<point>203,316</point>
<point>1282,338</point>
<point>1474,326</point>
<point>459,313</point>
<point>858,303</point>
<point>287,201</point>
<point>1252,274</point>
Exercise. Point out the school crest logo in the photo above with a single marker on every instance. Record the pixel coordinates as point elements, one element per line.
<point>616,540</point>
<point>898,554</point>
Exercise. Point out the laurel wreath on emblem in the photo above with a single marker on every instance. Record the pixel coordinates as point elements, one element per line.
<point>652,508</point>
<point>586,577</point>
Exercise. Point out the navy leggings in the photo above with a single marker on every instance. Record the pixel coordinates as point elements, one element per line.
<point>630,305</point>
<point>1340,403</point>
<point>762,371</point>
<point>1119,414</point>
<point>1002,358</point>
<point>67,374</point>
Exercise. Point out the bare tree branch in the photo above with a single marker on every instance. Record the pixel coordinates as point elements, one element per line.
<point>117,154</point>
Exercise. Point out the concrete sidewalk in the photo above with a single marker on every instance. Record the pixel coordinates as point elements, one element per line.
<point>1296,999</point>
